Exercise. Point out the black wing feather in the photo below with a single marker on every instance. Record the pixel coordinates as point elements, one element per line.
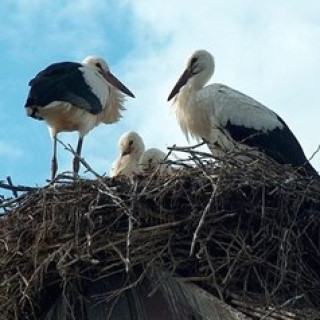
<point>62,82</point>
<point>279,144</point>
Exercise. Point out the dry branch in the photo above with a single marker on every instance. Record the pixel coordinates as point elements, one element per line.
<point>253,231</point>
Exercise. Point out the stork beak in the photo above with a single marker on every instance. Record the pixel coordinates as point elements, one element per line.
<point>116,83</point>
<point>180,83</point>
<point>126,151</point>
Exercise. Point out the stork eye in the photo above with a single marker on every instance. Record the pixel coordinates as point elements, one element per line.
<point>130,142</point>
<point>194,60</point>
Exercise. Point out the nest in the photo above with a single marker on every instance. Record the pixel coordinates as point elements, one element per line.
<point>247,233</point>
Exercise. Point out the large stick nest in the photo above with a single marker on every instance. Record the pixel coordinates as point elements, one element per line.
<point>249,231</point>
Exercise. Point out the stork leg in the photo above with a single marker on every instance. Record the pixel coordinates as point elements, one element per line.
<point>76,162</point>
<point>54,164</point>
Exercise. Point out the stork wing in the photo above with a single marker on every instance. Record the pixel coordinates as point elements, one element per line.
<point>249,122</point>
<point>239,109</point>
<point>63,82</point>
<point>55,69</point>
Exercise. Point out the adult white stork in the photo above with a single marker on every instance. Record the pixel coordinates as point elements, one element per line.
<point>131,148</point>
<point>152,159</point>
<point>229,119</point>
<point>72,96</point>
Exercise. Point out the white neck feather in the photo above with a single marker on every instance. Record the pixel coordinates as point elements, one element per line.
<point>192,116</point>
<point>200,79</point>
<point>112,111</point>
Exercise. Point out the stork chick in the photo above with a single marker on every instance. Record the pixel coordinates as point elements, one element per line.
<point>131,148</point>
<point>152,159</point>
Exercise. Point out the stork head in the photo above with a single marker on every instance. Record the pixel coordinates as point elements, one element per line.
<point>103,68</point>
<point>151,158</point>
<point>198,70</point>
<point>130,143</point>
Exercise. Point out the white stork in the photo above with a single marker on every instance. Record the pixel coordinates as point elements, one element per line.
<point>151,159</point>
<point>72,96</point>
<point>229,119</point>
<point>131,148</point>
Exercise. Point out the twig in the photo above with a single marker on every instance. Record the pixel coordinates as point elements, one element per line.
<point>17,188</point>
<point>201,221</point>
<point>117,199</point>
<point>14,191</point>
<point>284,304</point>
<point>314,153</point>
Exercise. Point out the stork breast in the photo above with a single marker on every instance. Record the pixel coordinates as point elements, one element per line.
<point>62,116</point>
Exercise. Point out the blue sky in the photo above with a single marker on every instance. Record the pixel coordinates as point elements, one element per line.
<point>268,50</point>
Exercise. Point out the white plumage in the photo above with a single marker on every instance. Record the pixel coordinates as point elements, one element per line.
<point>229,119</point>
<point>152,159</point>
<point>73,96</point>
<point>94,79</point>
<point>131,148</point>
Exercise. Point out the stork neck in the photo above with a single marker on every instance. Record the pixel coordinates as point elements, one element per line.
<point>185,96</point>
<point>199,80</point>
<point>191,114</point>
